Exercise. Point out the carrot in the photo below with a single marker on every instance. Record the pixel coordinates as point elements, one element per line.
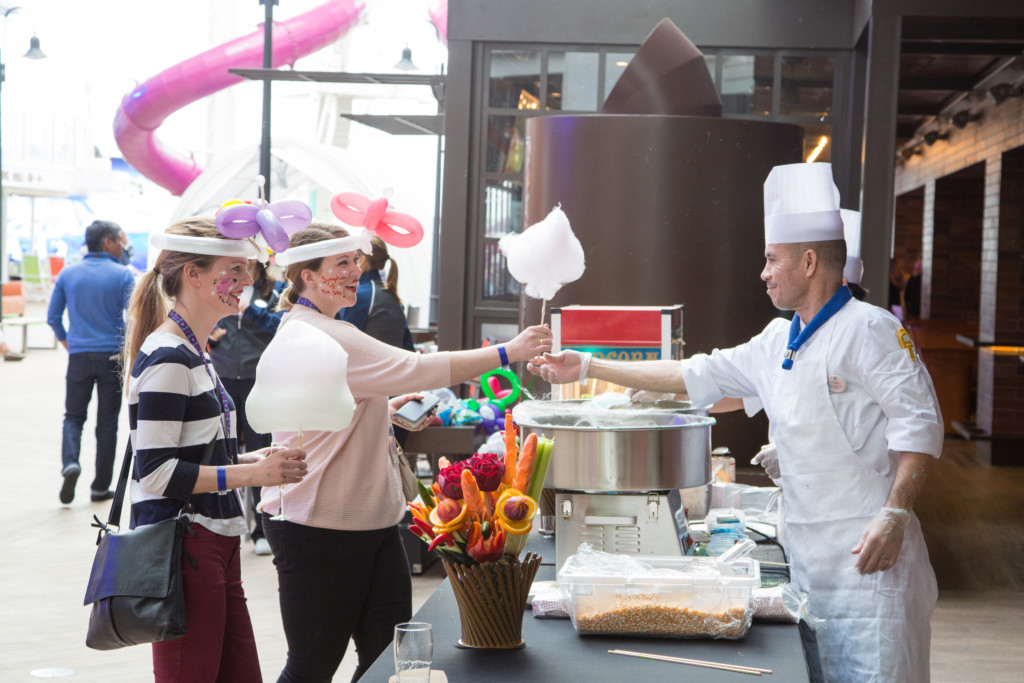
<point>526,461</point>
<point>511,451</point>
<point>472,496</point>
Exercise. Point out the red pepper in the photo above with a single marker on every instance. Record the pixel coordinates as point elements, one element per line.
<point>441,539</point>
<point>422,528</point>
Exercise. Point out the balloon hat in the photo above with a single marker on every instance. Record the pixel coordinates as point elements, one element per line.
<point>396,228</point>
<point>272,222</point>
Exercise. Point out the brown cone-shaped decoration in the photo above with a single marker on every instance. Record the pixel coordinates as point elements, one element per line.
<point>491,599</point>
<point>667,76</point>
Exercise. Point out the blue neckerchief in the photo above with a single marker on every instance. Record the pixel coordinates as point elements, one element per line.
<point>797,337</point>
<point>303,301</point>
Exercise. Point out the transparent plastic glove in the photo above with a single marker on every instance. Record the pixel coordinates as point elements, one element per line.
<point>881,541</point>
<point>560,368</point>
<point>644,396</point>
<point>768,458</point>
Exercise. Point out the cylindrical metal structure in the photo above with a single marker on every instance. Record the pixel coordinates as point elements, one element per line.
<point>662,450</point>
<point>669,210</point>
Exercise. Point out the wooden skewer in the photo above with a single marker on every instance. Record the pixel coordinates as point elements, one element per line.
<point>753,671</point>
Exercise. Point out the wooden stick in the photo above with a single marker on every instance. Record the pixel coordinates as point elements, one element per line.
<point>753,671</point>
<point>543,307</point>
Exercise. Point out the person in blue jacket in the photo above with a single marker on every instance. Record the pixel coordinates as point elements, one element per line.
<point>95,292</point>
<point>235,346</point>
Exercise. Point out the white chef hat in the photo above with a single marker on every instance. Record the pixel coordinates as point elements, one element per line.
<point>801,204</point>
<point>854,269</point>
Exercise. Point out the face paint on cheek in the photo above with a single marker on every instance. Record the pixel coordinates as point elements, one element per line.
<point>221,288</point>
<point>332,286</point>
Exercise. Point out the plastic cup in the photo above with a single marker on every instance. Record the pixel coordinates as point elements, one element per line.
<point>414,650</point>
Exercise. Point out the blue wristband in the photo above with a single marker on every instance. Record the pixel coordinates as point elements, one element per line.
<point>504,357</point>
<point>222,479</point>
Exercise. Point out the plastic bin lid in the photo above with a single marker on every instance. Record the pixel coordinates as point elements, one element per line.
<point>745,572</point>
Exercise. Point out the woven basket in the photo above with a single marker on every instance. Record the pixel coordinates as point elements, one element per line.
<point>492,599</point>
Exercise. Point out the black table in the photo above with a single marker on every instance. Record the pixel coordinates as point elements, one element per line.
<point>555,652</point>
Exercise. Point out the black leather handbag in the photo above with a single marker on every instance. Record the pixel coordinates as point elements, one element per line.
<point>136,588</point>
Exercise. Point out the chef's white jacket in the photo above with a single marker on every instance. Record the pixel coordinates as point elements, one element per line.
<point>881,391</point>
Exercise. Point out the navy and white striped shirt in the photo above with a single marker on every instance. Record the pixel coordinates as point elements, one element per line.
<point>174,411</point>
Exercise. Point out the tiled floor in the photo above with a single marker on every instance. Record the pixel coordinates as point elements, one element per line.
<point>973,515</point>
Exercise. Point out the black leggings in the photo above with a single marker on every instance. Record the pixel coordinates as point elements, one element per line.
<point>335,585</point>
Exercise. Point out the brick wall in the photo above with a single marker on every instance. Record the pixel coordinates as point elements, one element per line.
<point>954,278</point>
<point>997,142</point>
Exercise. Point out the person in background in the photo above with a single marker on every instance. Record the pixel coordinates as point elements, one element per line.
<point>854,269</point>
<point>236,345</point>
<point>177,409</point>
<point>342,571</point>
<point>95,292</point>
<point>378,310</point>
<point>5,350</point>
<point>855,423</point>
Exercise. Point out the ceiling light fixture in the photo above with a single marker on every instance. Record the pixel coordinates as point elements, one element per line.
<point>816,152</point>
<point>963,117</point>
<point>1004,91</point>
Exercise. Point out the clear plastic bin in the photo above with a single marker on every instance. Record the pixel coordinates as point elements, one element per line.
<point>672,597</point>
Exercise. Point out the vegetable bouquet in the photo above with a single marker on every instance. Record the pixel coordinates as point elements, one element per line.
<point>481,509</point>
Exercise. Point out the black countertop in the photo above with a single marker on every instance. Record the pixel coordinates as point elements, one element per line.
<point>555,652</point>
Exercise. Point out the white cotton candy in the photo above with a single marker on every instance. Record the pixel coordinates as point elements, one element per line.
<point>545,256</point>
<point>301,383</point>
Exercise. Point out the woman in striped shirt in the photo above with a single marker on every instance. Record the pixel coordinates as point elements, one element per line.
<point>176,409</point>
<point>341,567</point>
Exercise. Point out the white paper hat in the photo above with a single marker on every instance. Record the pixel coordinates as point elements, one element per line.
<point>301,382</point>
<point>854,269</point>
<point>801,204</point>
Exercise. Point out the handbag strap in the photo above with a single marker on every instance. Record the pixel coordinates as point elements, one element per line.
<point>114,518</point>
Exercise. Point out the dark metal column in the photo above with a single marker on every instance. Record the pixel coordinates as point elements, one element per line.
<point>452,268</point>
<point>883,75</point>
<point>268,63</point>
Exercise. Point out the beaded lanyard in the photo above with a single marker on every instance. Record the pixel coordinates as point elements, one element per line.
<point>225,406</point>
<point>303,301</point>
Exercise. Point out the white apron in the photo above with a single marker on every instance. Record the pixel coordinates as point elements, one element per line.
<point>878,626</point>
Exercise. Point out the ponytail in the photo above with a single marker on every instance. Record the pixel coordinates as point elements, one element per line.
<point>146,312</point>
<point>154,291</point>
<point>392,282</point>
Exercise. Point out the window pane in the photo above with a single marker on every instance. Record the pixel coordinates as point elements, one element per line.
<point>747,84</point>
<point>498,282</point>
<point>515,80</point>
<point>614,64</point>
<point>709,60</point>
<point>506,144</point>
<point>806,86</point>
<point>503,215</point>
<point>815,135</point>
<point>503,208</point>
<point>572,81</point>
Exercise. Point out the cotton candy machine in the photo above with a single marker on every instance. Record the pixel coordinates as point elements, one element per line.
<point>622,475</point>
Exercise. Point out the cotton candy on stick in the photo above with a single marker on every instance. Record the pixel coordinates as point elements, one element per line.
<point>301,383</point>
<point>545,256</point>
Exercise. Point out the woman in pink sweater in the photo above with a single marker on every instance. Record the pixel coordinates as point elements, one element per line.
<point>341,566</point>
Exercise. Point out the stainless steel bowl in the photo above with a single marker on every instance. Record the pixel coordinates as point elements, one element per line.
<point>621,449</point>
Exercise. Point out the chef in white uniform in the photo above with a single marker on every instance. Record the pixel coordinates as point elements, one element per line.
<point>856,424</point>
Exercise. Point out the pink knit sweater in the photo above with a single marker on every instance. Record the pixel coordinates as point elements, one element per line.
<point>352,482</point>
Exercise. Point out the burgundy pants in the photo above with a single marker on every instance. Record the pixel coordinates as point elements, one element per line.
<point>219,644</point>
